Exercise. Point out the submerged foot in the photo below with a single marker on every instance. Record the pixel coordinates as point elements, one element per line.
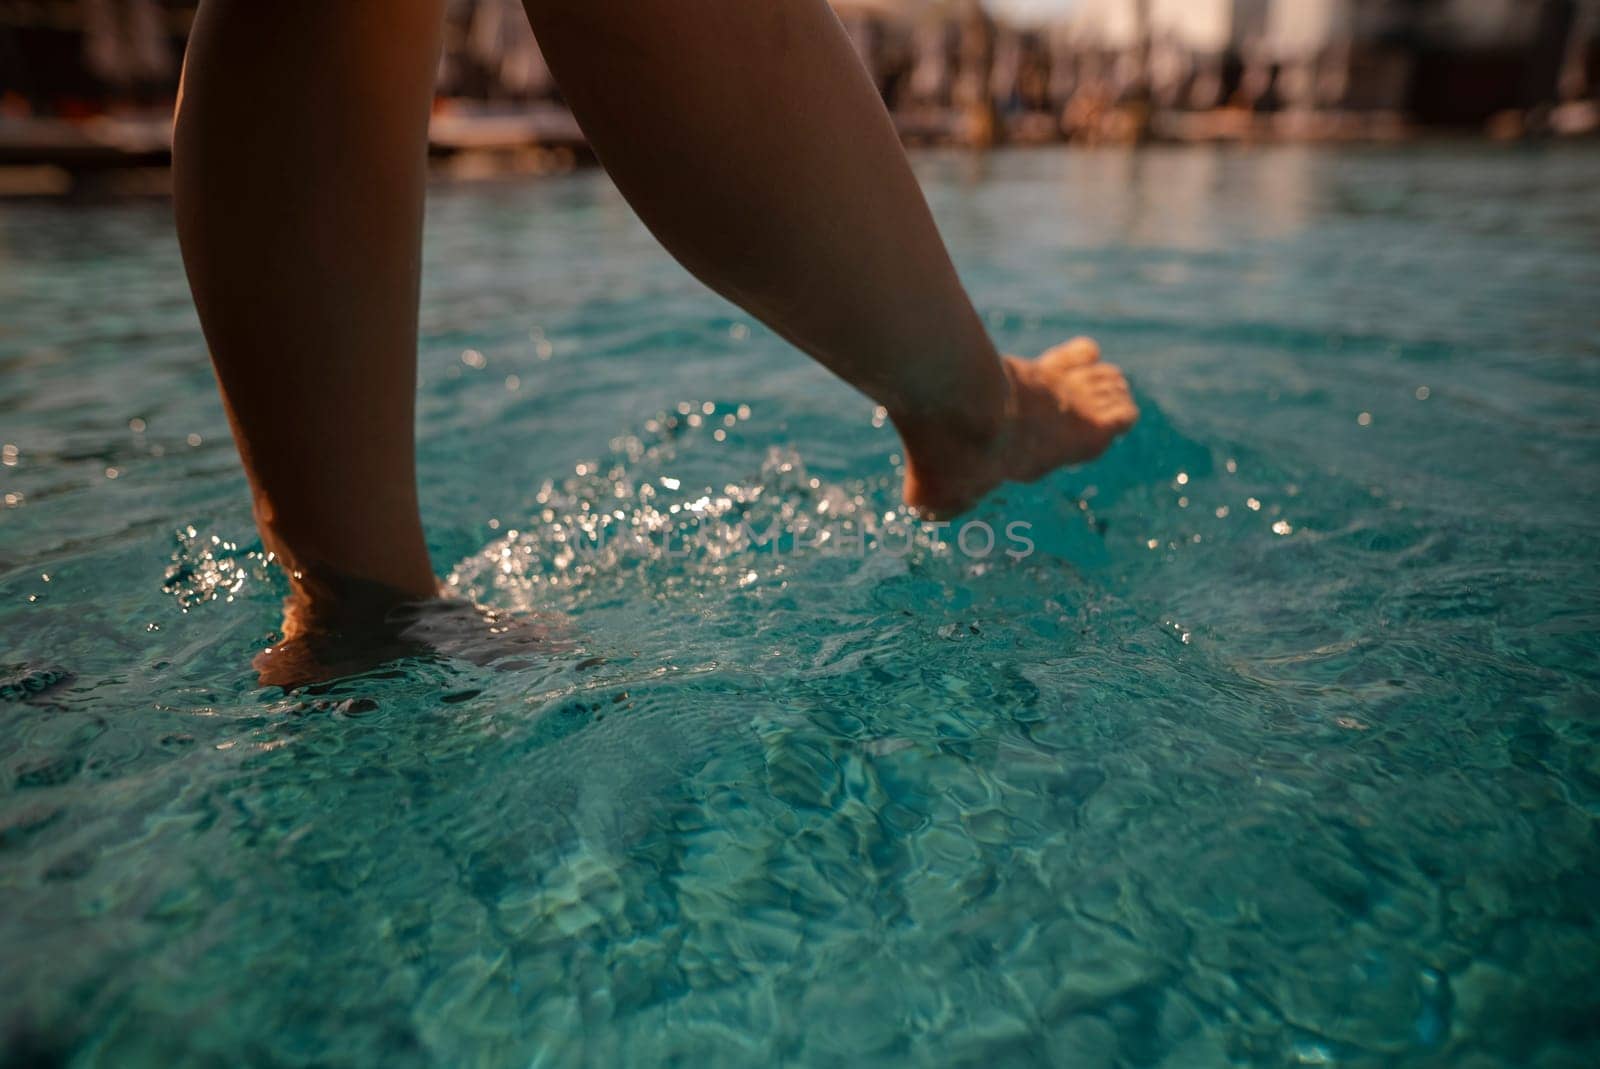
<point>1067,408</point>
<point>330,642</point>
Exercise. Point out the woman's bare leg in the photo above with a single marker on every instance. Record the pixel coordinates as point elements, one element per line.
<point>751,142</point>
<point>299,165</point>
<point>745,134</point>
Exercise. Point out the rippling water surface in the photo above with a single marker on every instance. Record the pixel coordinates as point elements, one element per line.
<point>1279,747</point>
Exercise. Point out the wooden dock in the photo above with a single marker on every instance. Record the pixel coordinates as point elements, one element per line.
<point>47,156</point>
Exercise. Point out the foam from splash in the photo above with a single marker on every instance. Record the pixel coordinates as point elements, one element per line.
<point>207,567</point>
<point>636,509</point>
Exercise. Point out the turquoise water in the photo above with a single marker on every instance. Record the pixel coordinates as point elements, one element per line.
<point>1280,747</point>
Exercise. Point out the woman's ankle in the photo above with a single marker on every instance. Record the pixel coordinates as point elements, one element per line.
<point>332,603</point>
<point>949,454</point>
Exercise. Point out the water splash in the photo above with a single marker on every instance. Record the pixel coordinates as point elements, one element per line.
<point>207,567</point>
<point>640,509</point>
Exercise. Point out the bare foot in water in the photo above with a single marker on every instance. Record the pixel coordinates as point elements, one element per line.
<point>361,633</point>
<point>1067,407</point>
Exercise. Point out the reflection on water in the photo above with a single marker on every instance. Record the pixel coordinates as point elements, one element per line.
<point>1277,748</point>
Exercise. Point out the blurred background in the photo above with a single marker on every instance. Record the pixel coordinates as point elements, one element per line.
<point>86,86</point>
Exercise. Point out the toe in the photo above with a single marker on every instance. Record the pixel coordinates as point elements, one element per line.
<point>1105,372</point>
<point>1079,352</point>
<point>1111,407</point>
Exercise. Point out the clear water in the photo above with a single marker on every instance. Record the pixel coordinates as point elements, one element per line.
<point>1279,748</point>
